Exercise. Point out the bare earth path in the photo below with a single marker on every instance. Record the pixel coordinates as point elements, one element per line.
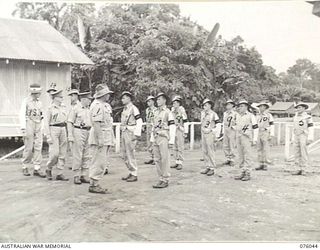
<point>274,206</point>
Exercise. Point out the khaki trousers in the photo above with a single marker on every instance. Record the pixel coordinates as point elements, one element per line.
<point>263,147</point>
<point>179,146</point>
<point>149,143</point>
<point>208,149</point>
<point>58,148</point>
<point>128,141</point>
<point>33,145</point>
<point>300,151</point>
<point>244,147</point>
<point>81,152</point>
<point>98,164</point>
<point>162,157</point>
<point>229,144</point>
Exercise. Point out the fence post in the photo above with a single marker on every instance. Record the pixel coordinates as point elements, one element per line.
<point>191,136</point>
<point>117,137</point>
<point>279,134</point>
<point>287,142</point>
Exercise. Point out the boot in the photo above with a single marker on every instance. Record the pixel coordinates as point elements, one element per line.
<point>262,167</point>
<point>174,166</point>
<point>227,162</point>
<point>106,171</point>
<point>97,190</point>
<point>179,167</point>
<point>210,172</point>
<point>39,174</point>
<point>299,172</point>
<point>246,177</point>
<point>76,180</point>
<point>149,162</point>
<point>49,174</point>
<point>231,164</point>
<point>61,177</point>
<point>25,172</point>
<point>126,178</point>
<point>132,178</point>
<point>83,179</point>
<point>205,171</point>
<point>239,177</point>
<point>161,184</point>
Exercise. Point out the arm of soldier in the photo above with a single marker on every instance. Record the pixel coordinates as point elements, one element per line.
<point>310,129</point>
<point>185,122</point>
<point>70,124</point>
<point>47,120</point>
<point>96,119</point>
<point>255,129</point>
<point>218,126</point>
<point>22,116</point>
<point>172,128</point>
<point>139,122</point>
<point>271,123</point>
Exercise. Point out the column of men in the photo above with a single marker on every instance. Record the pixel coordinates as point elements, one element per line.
<point>88,128</point>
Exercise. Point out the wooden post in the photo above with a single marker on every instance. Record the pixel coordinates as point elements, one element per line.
<point>287,142</point>
<point>279,134</point>
<point>191,135</point>
<point>117,137</point>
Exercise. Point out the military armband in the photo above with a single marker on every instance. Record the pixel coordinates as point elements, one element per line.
<point>137,117</point>
<point>185,120</point>
<point>255,126</point>
<point>171,122</point>
<point>310,125</point>
<point>271,123</point>
<point>217,121</point>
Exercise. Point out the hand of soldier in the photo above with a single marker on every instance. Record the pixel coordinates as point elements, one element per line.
<point>49,140</point>
<point>100,143</point>
<point>254,143</point>
<point>185,135</point>
<point>309,141</point>
<point>70,145</point>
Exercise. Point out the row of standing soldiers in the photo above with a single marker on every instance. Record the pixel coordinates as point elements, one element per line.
<point>88,128</point>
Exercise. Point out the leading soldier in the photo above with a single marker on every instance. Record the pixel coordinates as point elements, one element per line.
<point>209,133</point>
<point>99,138</point>
<point>163,135</point>
<point>131,125</point>
<point>31,121</point>
<point>266,133</point>
<point>229,133</point>
<point>149,121</point>
<point>303,134</point>
<point>79,125</point>
<point>56,121</point>
<point>182,129</point>
<point>246,137</point>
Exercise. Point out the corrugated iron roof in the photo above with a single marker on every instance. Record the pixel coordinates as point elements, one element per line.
<point>23,39</point>
<point>281,106</point>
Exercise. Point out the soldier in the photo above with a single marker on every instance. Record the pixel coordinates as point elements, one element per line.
<point>246,135</point>
<point>182,129</point>
<point>56,136</point>
<point>149,119</point>
<point>209,133</point>
<point>303,134</point>
<point>266,133</point>
<point>79,125</point>
<point>229,132</point>
<point>31,121</point>
<point>99,138</point>
<point>163,135</point>
<point>131,125</point>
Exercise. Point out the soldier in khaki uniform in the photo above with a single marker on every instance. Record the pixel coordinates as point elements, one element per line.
<point>266,133</point>
<point>163,135</point>
<point>31,120</point>
<point>209,133</point>
<point>182,129</point>
<point>229,132</point>
<point>100,137</point>
<point>110,129</point>
<point>56,136</point>
<point>149,120</point>
<point>303,134</point>
<point>131,125</point>
<point>79,125</point>
<point>246,136</point>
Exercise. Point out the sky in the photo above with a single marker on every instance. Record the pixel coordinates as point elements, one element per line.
<point>282,31</point>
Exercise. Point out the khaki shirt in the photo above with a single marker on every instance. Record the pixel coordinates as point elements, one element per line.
<point>131,119</point>
<point>265,122</point>
<point>31,111</point>
<point>229,120</point>
<point>302,123</point>
<point>245,124</point>
<point>80,116</point>
<point>101,112</point>
<point>180,117</point>
<point>209,119</point>
<point>150,114</point>
<point>162,124</point>
<point>57,114</point>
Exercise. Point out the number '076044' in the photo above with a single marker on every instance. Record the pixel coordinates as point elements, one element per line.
<point>308,246</point>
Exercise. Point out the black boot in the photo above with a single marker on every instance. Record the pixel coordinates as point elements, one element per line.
<point>61,177</point>
<point>97,190</point>
<point>149,162</point>
<point>25,172</point>
<point>76,180</point>
<point>49,174</point>
<point>39,174</point>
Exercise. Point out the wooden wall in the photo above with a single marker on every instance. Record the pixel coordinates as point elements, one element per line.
<point>15,79</point>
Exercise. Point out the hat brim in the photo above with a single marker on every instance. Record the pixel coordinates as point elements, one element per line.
<point>73,92</point>
<point>164,95</point>
<point>49,90</point>
<point>244,104</point>
<point>102,94</point>
<point>263,104</point>
<point>58,92</point>
<point>233,103</point>
<point>126,94</point>
<point>207,102</point>
<point>303,105</point>
<point>150,99</point>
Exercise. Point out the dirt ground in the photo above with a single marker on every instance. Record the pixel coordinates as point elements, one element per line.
<point>273,206</point>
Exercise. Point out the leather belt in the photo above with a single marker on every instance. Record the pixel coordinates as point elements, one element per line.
<point>58,125</point>
<point>85,128</point>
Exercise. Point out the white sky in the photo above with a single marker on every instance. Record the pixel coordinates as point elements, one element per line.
<point>282,31</point>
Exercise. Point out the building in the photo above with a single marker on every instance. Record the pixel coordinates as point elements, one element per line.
<point>286,109</point>
<point>31,52</point>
